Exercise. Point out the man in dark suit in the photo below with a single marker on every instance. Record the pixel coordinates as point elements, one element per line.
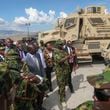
<point>48,55</point>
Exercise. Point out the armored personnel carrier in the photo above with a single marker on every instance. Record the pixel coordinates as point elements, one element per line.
<point>89,28</point>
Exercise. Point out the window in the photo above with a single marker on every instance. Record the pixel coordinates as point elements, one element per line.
<point>90,10</point>
<point>95,21</point>
<point>94,10</point>
<point>70,22</point>
<point>98,9</point>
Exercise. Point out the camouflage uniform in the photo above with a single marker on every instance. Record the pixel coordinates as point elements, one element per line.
<point>26,95</point>
<point>61,71</point>
<point>5,80</point>
<point>13,61</point>
<point>101,81</point>
<point>85,106</point>
<point>5,85</point>
<point>101,84</point>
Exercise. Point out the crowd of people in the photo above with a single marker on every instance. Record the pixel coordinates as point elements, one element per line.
<point>39,60</point>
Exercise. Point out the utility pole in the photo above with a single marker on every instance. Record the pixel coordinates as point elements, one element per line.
<point>60,26</point>
<point>28,24</point>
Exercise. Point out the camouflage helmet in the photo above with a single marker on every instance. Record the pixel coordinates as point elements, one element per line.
<point>3,67</point>
<point>101,81</point>
<point>59,42</point>
<point>85,106</point>
<point>12,54</point>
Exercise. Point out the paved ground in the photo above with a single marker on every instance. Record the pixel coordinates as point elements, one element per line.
<point>83,91</point>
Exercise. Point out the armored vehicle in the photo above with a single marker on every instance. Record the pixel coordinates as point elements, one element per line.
<point>89,28</point>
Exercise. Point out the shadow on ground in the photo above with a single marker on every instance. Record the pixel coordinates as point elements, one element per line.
<point>52,103</point>
<point>77,79</point>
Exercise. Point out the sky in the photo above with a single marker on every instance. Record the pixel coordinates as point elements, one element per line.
<point>39,15</point>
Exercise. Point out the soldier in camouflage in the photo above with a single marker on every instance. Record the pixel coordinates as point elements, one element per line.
<point>61,68</point>
<point>101,84</point>
<point>5,85</point>
<point>12,58</point>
